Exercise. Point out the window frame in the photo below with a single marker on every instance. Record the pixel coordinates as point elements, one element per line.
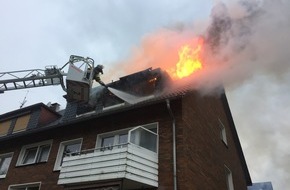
<point>5,126</point>
<point>229,178</point>
<point>6,155</point>
<point>25,185</point>
<point>139,137</point>
<point>39,145</point>
<point>115,134</point>
<point>62,145</point>
<point>21,123</point>
<point>223,132</point>
<point>119,132</point>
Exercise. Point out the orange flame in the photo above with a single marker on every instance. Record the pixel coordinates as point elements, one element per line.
<point>189,61</point>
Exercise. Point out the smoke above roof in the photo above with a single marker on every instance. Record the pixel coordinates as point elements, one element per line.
<point>242,38</point>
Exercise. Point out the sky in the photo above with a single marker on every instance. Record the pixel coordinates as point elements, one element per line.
<point>249,55</point>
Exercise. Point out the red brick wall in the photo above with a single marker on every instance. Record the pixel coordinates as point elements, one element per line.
<point>87,130</point>
<point>201,155</point>
<point>31,173</point>
<point>46,117</point>
<point>201,152</point>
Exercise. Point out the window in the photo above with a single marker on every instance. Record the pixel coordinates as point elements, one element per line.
<point>34,153</point>
<point>108,141</point>
<point>229,179</point>
<point>67,147</point>
<point>27,186</point>
<point>4,127</point>
<point>5,160</point>
<point>123,138</point>
<point>144,136</point>
<point>21,123</point>
<point>223,134</point>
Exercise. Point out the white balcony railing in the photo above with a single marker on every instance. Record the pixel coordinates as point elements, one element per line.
<point>135,165</point>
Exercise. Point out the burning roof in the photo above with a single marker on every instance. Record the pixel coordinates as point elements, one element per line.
<point>149,83</point>
<point>130,89</point>
<point>145,87</point>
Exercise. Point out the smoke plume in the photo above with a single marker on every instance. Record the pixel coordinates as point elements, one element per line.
<point>242,39</point>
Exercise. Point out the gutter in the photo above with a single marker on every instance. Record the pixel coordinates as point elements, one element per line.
<point>174,143</point>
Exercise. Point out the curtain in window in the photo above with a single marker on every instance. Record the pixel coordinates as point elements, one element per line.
<point>4,164</point>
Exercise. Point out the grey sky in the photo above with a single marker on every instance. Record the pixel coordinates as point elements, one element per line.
<point>38,33</point>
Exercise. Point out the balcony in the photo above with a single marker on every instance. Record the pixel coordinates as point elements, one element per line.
<point>134,163</point>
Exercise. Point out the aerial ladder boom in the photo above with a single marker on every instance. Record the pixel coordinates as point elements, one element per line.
<point>78,78</point>
<point>15,80</point>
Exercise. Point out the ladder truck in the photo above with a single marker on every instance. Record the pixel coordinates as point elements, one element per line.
<point>76,82</point>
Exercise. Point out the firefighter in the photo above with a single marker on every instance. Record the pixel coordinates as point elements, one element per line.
<point>98,70</point>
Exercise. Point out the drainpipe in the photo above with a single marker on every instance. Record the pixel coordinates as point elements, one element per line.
<point>174,144</point>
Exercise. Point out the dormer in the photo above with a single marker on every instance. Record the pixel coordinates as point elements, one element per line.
<point>26,119</point>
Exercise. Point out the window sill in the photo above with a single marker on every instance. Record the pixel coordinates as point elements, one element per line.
<point>22,165</point>
<point>57,169</point>
<point>2,176</point>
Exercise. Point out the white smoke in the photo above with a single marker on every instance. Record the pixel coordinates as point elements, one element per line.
<point>242,39</point>
<point>255,42</point>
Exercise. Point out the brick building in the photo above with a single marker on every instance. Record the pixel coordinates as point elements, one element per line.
<point>163,137</point>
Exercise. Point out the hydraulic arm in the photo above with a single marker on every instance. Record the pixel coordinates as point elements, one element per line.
<point>15,80</point>
<point>77,84</point>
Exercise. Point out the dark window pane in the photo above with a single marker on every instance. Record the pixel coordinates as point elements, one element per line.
<point>29,155</point>
<point>144,138</point>
<point>4,164</point>
<point>33,188</point>
<point>72,148</point>
<point>43,153</point>
<point>123,138</point>
<point>107,141</point>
